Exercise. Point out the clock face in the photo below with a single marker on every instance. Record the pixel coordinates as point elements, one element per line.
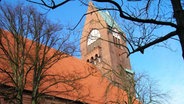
<point>93,36</point>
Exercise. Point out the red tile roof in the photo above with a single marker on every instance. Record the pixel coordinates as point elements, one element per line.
<point>90,87</point>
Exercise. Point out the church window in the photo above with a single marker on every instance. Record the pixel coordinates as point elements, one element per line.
<point>96,56</point>
<point>116,38</point>
<point>87,60</point>
<point>118,43</point>
<point>94,59</point>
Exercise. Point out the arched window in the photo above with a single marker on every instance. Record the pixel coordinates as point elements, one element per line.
<point>87,60</point>
<point>91,60</point>
<point>96,56</point>
<point>116,38</point>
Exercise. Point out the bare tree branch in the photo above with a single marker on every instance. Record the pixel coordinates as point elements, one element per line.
<point>129,17</point>
<point>161,39</point>
<point>52,4</point>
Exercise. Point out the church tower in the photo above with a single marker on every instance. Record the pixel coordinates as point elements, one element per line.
<point>102,40</point>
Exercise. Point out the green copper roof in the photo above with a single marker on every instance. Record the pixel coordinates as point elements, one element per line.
<point>129,71</point>
<point>109,20</point>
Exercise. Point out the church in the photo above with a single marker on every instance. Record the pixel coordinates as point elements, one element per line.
<point>103,54</point>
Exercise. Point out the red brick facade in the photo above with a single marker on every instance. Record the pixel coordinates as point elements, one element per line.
<point>107,51</point>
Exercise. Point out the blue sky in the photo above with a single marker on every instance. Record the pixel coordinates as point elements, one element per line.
<point>160,63</point>
<point>165,66</point>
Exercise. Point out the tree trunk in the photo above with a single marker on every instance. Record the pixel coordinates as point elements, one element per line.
<point>179,16</point>
<point>34,99</point>
<point>35,87</point>
<point>20,89</point>
<point>34,95</point>
<point>19,97</point>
